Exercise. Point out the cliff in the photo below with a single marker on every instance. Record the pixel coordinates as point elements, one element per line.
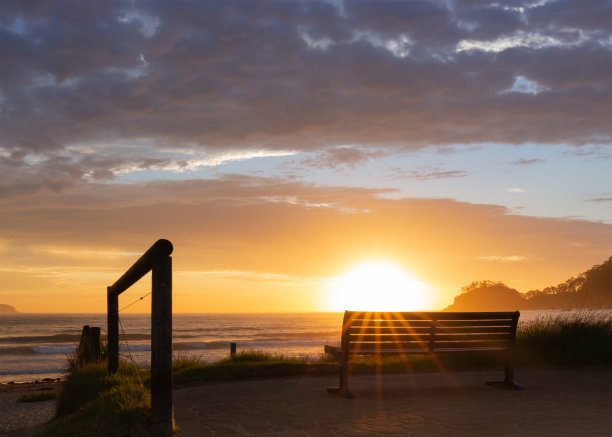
<point>7,309</point>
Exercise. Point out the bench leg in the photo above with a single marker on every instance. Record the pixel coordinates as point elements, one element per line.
<point>343,389</point>
<point>509,381</point>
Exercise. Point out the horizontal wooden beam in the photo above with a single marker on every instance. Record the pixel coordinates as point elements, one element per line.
<point>141,267</point>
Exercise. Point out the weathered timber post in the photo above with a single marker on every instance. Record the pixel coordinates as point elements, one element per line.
<point>112,336</point>
<point>162,408</point>
<point>157,259</point>
<point>95,347</point>
<point>83,350</point>
<point>232,350</point>
<point>89,346</point>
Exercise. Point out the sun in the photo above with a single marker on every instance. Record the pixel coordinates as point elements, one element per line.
<point>377,286</point>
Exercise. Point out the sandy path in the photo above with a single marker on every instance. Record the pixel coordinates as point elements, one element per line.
<point>552,403</point>
<point>20,419</point>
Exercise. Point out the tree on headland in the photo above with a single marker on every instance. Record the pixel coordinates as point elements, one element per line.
<point>591,289</point>
<point>487,296</point>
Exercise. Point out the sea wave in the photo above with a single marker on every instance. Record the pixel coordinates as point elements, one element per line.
<point>48,349</point>
<point>199,345</point>
<point>60,338</point>
<point>32,371</point>
<point>288,336</point>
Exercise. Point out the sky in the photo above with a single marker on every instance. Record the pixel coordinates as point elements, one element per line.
<point>280,145</point>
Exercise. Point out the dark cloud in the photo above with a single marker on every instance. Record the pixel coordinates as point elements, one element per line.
<point>342,156</point>
<point>301,75</point>
<point>20,176</point>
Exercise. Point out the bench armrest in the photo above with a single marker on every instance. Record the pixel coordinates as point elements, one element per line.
<point>336,352</point>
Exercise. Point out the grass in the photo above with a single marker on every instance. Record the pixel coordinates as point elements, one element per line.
<point>93,404</point>
<point>584,339</point>
<point>39,397</point>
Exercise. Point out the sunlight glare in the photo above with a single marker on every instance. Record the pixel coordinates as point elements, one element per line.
<point>377,286</point>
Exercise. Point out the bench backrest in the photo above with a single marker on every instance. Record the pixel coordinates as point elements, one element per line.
<point>427,332</point>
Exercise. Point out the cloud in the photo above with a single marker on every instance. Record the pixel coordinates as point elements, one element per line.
<point>515,190</point>
<point>427,173</point>
<point>512,258</point>
<point>348,156</point>
<point>301,75</point>
<point>600,199</point>
<point>525,162</point>
<point>223,224</point>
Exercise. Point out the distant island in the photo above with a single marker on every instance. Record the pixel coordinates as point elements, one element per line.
<point>7,309</point>
<point>591,289</point>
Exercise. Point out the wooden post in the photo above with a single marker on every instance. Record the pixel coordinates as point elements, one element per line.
<point>95,349</point>
<point>113,331</point>
<point>157,259</point>
<point>162,408</point>
<point>83,351</point>
<point>232,350</point>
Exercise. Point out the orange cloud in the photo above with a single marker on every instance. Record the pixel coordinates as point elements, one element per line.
<point>74,244</point>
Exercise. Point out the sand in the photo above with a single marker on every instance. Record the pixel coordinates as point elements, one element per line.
<point>552,403</point>
<point>21,419</point>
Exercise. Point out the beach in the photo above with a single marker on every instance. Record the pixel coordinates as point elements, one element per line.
<point>21,419</point>
<point>552,403</point>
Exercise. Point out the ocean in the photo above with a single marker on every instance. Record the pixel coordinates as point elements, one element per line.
<point>36,346</point>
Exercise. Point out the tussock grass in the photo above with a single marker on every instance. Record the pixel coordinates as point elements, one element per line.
<point>93,404</point>
<point>39,396</point>
<point>581,339</point>
<point>247,364</point>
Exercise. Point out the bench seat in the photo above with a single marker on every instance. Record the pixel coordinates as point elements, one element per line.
<point>406,333</point>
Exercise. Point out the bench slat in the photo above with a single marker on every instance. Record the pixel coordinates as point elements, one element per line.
<point>459,323</point>
<point>471,337</point>
<point>362,346</point>
<point>390,323</point>
<point>471,344</point>
<point>425,330</point>
<point>403,351</point>
<point>407,324</point>
<point>426,337</point>
<point>389,330</point>
<point>361,315</point>
<point>473,329</point>
<point>390,337</point>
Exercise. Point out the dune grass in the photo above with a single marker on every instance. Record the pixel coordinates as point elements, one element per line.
<point>93,404</point>
<point>583,339</point>
<point>39,396</point>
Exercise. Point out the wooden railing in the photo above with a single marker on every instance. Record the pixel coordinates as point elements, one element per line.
<point>157,260</point>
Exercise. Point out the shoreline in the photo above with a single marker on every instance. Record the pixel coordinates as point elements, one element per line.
<point>22,419</point>
<point>30,386</point>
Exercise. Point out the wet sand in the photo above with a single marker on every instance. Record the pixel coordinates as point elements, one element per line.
<point>552,403</point>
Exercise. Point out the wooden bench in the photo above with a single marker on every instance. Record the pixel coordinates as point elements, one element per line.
<point>391,333</point>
